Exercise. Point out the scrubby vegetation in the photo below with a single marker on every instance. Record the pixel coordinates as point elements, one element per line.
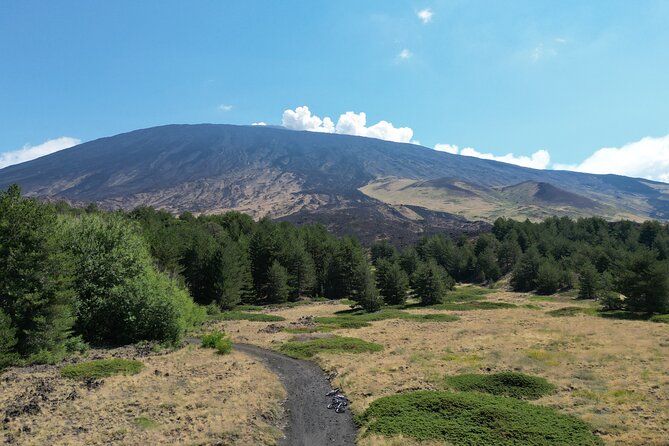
<point>101,368</point>
<point>515,385</point>
<point>473,419</point>
<point>218,341</point>
<point>244,316</point>
<point>361,318</point>
<point>310,348</point>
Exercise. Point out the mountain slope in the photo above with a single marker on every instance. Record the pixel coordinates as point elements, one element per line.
<point>303,175</point>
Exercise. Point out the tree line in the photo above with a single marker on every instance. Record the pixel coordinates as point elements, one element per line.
<point>71,276</point>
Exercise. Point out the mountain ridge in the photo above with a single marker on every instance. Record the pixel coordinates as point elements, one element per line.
<point>210,168</point>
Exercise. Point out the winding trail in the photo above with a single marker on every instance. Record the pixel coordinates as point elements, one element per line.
<point>310,422</point>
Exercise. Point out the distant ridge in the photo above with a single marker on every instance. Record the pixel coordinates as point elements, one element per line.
<point>306,176</point>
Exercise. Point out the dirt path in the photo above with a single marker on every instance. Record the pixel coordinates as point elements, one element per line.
<point>309,420</point>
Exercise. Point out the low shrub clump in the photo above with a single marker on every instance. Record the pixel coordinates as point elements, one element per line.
<point>572,311</point>
<point>473,419</point>
<point>661,318</point>
<point>360,318</point>
<point>309,349</point>
<point>468,293</point>
<point>101,368</point>
<point>217,340</point>
<point>243,316</point>
<point>473,305</point>
<point>516,385</point>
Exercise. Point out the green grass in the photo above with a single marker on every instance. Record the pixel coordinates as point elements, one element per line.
<point>542,298</point>
<point>359,318</point>
<point>660,318</point>
<point>235,315</point>
<point>249,308</point>
<point>473,305</point>
<point>309,349</point>
<point>468,293</point>
<point>216,340</point>
<point>516,385</point>
<point>145,423</point>
<point>471,419</point>
<point>572,311</point>
<point>101,368</point>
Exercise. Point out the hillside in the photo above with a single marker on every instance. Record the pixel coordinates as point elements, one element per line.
<point>337,179</point>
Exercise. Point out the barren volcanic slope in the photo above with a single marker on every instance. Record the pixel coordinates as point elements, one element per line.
<point>350,183</point>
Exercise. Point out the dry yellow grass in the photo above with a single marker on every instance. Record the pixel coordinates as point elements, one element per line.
<point>190,396</point>
<point>611,373</point>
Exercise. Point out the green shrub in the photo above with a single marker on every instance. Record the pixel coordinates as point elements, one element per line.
<point>243,316</point>
<point>360,318</point>
<point>660,318</point>
<point>308,349</point>
<point>474,305</point>
<point>572,311</point>
<point>101,368</point>
<point>217,340</point>
<point>472,419</point>
<point>516,385</point>
<point>467,293</point>
<point>210,340</point>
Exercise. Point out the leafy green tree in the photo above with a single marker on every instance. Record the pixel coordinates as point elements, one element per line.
<point>120,297</point>
<point>34,276</point>
<point>589,282</point>
<point>277,287</point>
<point>368,296</point>
<point>392,282</point>
<point>432,283</point>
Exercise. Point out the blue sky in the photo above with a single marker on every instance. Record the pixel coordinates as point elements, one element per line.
<point>493,78</point>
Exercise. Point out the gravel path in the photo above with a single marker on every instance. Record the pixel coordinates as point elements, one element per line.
<point>310,423</point>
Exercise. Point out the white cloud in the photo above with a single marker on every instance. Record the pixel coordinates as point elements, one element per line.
<point>28,152</point>
<point>538,160</point>
<point>646,158</point>
<point>405,54</point>
<point>259,123</point>
<point>425,15</point>
<point>225,107</point>
<point>349,123</point>
<point>448,148</point>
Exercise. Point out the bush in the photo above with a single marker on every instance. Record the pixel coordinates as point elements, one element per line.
<point>217,340</point>
<point>515,385</point>
<point>243,316</point>
<point>101,368</point>
<point>309,349</point>
<point>660,318</point>
<point>467,419</point>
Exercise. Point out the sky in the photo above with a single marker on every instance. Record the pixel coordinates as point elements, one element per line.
<point>563,85</point>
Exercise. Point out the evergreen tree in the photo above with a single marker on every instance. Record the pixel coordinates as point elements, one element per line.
<point>487,268</point>
<point>526,272</point>
<point>432,283</point>
<point>382,250</point>
<point>392,282</point>
<point>548,278</point>
<point>277,289</point>
<point>368,296</point>
<point>34,276</point>
<point>645,282</point>
<point>262,253</point>
<point>589,282</point>
<point>301,270</point>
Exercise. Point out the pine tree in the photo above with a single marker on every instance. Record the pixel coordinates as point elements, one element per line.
<point>392,282</point>
<point>34,276</point>
<point>589,282</point>
<point>432,283</point>
<point>277,289</point>
<point>548,277</point>
<point>526,272</point>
